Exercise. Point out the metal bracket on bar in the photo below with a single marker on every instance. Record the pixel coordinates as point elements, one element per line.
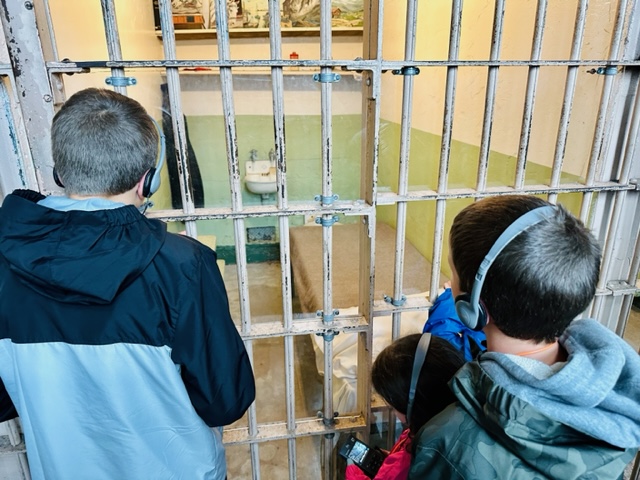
<point>326,200</point>
<point>608,70</point>
<point>636,183</point>
<point>327,318</point>
<point>120,81</point>
<point>394,302</point>
<point>621,287</point>
<point>328,422</point>
<point>407,71</point>
<point>326,77</point>
<point>327,222</point>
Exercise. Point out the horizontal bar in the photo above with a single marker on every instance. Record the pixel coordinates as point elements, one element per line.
<point>199,34</point>
<point>358,207</point>
<point>303,428</point>
<point>269,326</point>
<point>390,198</point>
<point>354,65</point>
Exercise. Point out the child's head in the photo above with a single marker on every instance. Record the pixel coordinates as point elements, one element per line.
<point>102,143</point>
<point>391,377</point>
<point>541,280</point>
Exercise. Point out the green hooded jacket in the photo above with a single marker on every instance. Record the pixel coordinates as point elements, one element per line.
<point>580,420</point>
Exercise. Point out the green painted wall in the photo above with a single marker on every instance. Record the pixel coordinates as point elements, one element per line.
<point>423,174</point>
<point>304,163</point>
<point>304,171</point>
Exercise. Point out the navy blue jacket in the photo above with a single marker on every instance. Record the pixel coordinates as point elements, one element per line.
<point>117,349</point>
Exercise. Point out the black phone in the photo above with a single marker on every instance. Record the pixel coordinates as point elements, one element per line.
<point>368,459</point>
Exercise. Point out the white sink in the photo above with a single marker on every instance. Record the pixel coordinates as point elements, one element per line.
<point>260,177</point>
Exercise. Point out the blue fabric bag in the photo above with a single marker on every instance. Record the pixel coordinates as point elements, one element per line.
<point>444,322</point>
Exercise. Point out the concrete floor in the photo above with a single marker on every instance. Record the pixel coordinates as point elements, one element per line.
<point>265,297</point>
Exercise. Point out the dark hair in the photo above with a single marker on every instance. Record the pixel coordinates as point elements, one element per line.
<point>391,377</point>
<point>102,143</point>
<point>543,278</point>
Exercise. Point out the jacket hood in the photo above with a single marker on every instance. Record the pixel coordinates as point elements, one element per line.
<point>596,392</point>
<point>76,256</point>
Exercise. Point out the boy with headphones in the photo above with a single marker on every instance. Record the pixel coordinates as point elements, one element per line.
<point>552,397</point>
<point>117,348</point>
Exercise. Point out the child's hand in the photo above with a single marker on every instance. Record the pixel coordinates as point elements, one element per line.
<point>447,285</point>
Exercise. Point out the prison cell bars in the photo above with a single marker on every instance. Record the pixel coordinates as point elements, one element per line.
<point>600,186</point>
<point>603,109</point>
<point>177,119</point>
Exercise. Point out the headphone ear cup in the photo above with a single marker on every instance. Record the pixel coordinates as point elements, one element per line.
<point>482,316</point>
<point>148,185</point>
<point>466,311</point>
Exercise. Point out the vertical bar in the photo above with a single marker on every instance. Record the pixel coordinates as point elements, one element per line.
<point>490,99</point>
<point>231,138</point>
<point>177,119</point>
<point>403,174</point>
<point>275,42</point>
<point>32,85</point>
<point>445,149</point>
<point>569,90</point>
<point>327,234</point>
<point>17,167</point>
<point>371,50</point>
<point>113,40</point>
<point>603,110</point>
<point>532,84</point>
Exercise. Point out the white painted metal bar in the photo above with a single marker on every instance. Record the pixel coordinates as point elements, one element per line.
<point>327,233</point>
<point>569,91</point>
<point>490,98</point>
<point>351,65</point>
<point>405,148</point>
<point>113,41</point>
<point>177,119</point>
<point>31,87</point>
<point>603,109</point>
<point>231,138</point>
<point>275,43</point>
<point>445,148</point>
<point>532,84</point>
<point>20,174</point>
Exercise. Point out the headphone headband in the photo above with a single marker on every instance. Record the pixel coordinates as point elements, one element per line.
<point>468,308</point>
<point>418,362</point>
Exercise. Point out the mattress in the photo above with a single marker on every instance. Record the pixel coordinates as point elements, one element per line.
<point>306,264</point>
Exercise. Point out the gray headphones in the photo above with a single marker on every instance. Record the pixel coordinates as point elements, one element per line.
<point>469,307</point>
<point>418,362</point>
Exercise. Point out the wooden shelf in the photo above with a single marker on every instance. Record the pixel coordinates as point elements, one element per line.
<point>199,34</point>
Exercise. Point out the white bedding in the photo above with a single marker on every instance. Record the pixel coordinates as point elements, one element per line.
<point>345,353</point>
